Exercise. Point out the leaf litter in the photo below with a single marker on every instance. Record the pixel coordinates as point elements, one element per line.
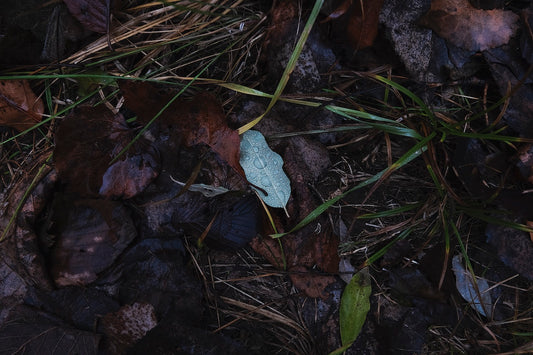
<point>134,183</point>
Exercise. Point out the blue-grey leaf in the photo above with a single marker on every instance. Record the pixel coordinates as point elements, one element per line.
<point>466,285</point>
<point>264,168</point>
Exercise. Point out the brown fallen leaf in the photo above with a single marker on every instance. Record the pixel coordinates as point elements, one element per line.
<point>88,140</point>
<point>19,107</point>
<point>199,120</point>
<point>458,22</point>
<point>363,19</point>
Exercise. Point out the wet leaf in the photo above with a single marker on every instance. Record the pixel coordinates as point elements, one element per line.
<point>128,325</point>
<point>464,26</point>
<point>19,107</point>
<point>190,122</point>
<point>264,169</point>
<point>355,304</point>
<point>28,331</point>
<point>235,221</point>
<point>90,235</point>
<point>88,140</point>
<point>92,14</point>
<point>469,287</point>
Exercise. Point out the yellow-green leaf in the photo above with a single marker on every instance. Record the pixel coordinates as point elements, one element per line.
<point>355,304</point>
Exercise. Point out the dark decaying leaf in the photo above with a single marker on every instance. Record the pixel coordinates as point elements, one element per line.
<point>128,325</point>
<point>199,120</point>
<point>29,331</point>
<point>19,107</point>
<point>88,140</point>
<point>461,24</point>
<point>235,223</point>
<point>311,256</point>
<point>90,235</point>
<point>514,248</point>
<point>81,306</point>
<point>92,14</point>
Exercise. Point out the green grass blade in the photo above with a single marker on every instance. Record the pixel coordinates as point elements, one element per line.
<point>413,153</point>
<point>290,65</point>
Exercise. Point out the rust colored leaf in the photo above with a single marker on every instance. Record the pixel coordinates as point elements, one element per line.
<point>306,252</point>
<point>92,14</point>
<point>362,26</point>
<point>464,26</point>
<point>88,140</point>
<point>19,107</point>
<point>199,120</point>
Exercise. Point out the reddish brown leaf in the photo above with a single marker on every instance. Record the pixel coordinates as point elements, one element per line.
<point>19,107</point>
<point>464,26</point>
<point>88,140</point>
<point>363,24</point>
<point>92,14</point>
<point>199,120</point>
<point>304,251</point>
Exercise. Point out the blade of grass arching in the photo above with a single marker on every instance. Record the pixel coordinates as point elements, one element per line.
<point>395,129</point>
<point>436,181</point>
<point>254,92</point>
<point>389,125</point>
<point>413,153</point>
<point>404,234</point>
<point>392,212</point>
<point>35,180</point>
<point>409,94</point>
<point>290,65</point>
<point>494,220</point>
<point>445,219</point>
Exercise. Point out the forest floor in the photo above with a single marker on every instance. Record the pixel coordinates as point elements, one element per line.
<point>286,177</point>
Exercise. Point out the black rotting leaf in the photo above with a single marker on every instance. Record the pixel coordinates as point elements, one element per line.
<point>28,331</point>
<point>90,235</point>
<point>235,221</point>
<point>81,307</point>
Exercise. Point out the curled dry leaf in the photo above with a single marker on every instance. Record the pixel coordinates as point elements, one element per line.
<point>19,107</point>
<point>467,27</point>
<point>88,140</point>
